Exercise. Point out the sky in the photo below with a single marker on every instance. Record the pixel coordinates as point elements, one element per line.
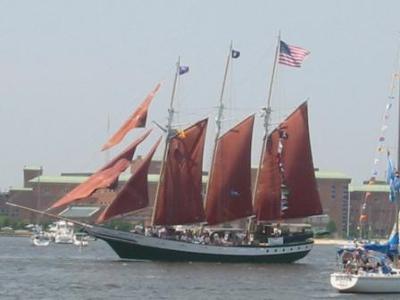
<point>71,72</point>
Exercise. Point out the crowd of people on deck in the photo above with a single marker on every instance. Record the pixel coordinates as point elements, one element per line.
<point>196,236</point>
<point>360,261</point>
<point>217,237</point>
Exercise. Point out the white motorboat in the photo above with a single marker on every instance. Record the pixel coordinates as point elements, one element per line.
<point>63,232</point>
<point>40,239</point>
<point>366,282</point>
<point>81,239</point>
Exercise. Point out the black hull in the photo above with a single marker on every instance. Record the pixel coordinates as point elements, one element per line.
<point>132,246</point>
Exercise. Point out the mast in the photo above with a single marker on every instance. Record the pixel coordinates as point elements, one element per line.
<point>221,98</point>
<point>396,256</point>
<point>39,199</point>
<point>219,116</point>
<point>169,133</point>
<point>267,116</point>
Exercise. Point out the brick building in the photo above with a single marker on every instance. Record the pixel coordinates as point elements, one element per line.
<point>340,200</point>
<point>333,189</point>
<point>379,210</point>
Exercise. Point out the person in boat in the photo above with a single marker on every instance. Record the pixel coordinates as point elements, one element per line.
<point>216,239</point>
<point>204,238</point>
<point>278,230</point>
<point>138,229</point>
<point>162,233</point>
<point>347,262</point>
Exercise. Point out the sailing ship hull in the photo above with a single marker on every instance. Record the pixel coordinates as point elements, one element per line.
<point>134,246</point>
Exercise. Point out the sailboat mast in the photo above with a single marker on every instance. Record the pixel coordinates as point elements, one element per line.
<point>171,112</point>
<point>221,98</point>
<point>267,115</point>
<point>39,198</point>
<point>218,119</point>
<point>396,256</point>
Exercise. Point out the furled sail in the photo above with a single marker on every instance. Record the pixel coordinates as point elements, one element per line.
<point>229,189</point>
<point>134,195</point>
<point>137,119</point>
<point>103,178</point>
<point>179,197</point>
<point>286,186</point>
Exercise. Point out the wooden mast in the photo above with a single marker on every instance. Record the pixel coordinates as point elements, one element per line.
<point>267,117</point>
<point>218,119</point>
<point>169,134</point>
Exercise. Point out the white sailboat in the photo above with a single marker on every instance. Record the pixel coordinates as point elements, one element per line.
<point>39,237</point>
<point>366,282</point>
<point>368,271</point>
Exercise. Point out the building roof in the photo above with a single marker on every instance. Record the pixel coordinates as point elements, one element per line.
<point>32,168</point>
<point>373,188</point>
<point>79,179</point>
<point>20,189</point>
<point>331,175</point>
<point>59,179</point>
<point>153,178</point>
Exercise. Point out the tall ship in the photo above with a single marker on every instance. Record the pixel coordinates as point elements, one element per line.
<point>186,223</point>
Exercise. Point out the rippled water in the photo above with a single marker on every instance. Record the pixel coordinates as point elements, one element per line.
<point>95,272</point>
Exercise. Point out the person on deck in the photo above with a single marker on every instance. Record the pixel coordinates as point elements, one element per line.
<point>277,230</point>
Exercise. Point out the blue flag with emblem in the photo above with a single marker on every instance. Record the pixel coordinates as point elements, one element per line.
<point>183,69</point>
<point>235,53</point>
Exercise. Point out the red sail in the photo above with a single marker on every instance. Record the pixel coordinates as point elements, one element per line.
<point>137,119</point>
<point>229,189</point>
<point>179,199</point>
<point>134,195</point>
<point>103,178</point>
<point>129,151</point>
<point>288,165</point>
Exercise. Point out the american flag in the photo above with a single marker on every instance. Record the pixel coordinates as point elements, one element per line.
<point>291,56</point>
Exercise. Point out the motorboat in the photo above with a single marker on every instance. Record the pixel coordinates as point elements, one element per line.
<point>81,239</point>
<point>63,232</point>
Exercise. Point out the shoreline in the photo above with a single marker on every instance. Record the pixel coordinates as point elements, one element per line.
<point>16,234</point>
<point>336,242</point>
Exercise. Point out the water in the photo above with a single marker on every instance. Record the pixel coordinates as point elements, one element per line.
<point>95,272</point>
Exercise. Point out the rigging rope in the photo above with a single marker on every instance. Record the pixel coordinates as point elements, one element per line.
<point>380,150</point>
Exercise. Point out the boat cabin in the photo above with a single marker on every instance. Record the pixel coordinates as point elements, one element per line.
<point>281,233</point>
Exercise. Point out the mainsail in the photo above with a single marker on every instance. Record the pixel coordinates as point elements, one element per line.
<point>179,197</point>
<point>287,187</point>
<point>229,189</point>
<point>134,195</point>
<point>103,178</point>
<point>137,119</point>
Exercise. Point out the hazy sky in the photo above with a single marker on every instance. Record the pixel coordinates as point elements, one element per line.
<point>68,66</point>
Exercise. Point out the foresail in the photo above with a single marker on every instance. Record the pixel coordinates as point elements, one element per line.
<point>287,186</point>
<point>127,154</point>
<point>134,195</point>
<point>179,197</point>
<point>137,119</point>
<point>229,189</point>
<point>103,178</point>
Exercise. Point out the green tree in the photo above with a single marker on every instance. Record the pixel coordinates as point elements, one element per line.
<point>4,220</point>
<point>331,226</point>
